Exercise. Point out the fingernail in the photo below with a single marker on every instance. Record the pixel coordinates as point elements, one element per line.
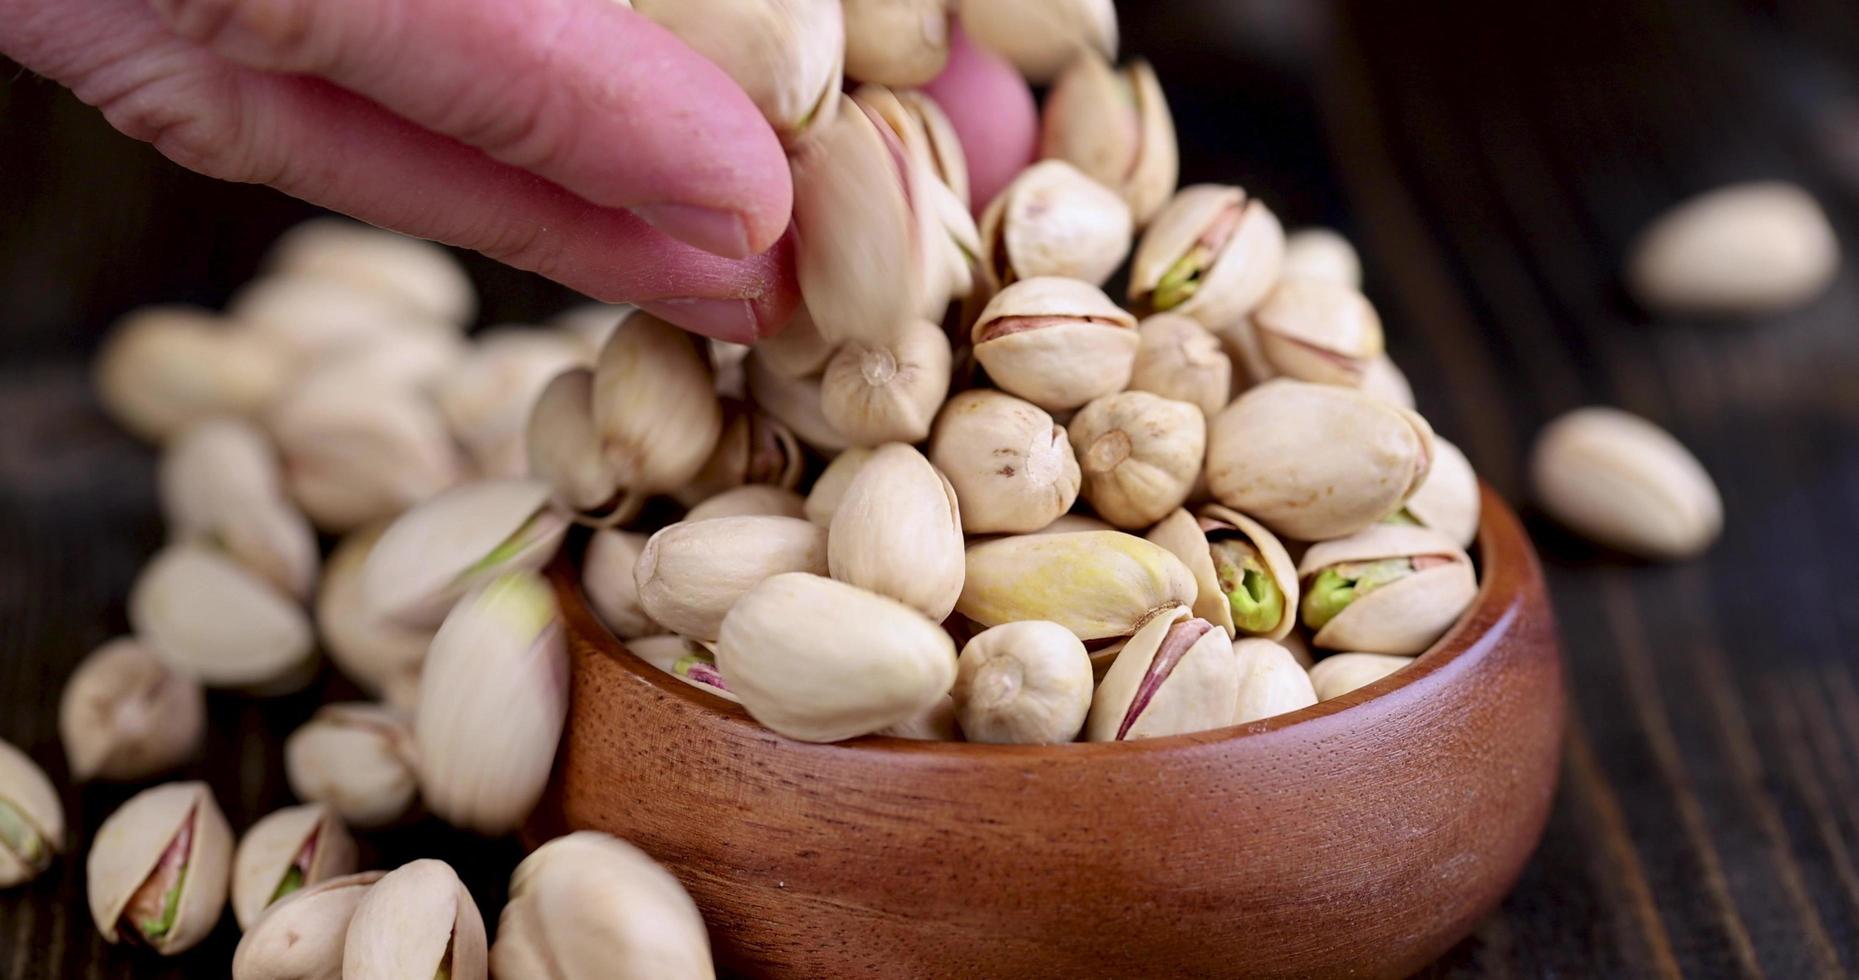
<point>724,319</point>
<point>718,232</point>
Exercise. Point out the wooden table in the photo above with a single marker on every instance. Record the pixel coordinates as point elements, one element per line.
<point>1492,165</point>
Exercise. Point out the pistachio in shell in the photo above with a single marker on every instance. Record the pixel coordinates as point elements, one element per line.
<point>1140,455</point>
<point>1026,683</point>
<point>1314,330</point>
<point>209,618</point>
<point>683,658</point>
<point>726,359</point>
<point>457,541</point>
<point>754,450</point>
<point>798,350</point>
<point>357,758</point>
<point>926,134</point>
<point>1271,681</point>
<point>786,55</point>
<point>1752,248</point>
<point>655,404</point>
<point>372,649</point>
<point>284,852</point>
<point>1115,126</point>
<point>749,500</point>
<point>1248,583</point>
<point>1042,37</point>
<point>889,392</point>
<point>1212,254</point>
<point>163,368</point>
<point>1177,674</point>
<point>220,484</point>
<point>940,191</point>
<point>417,921</point>
<point>591,324</point>
<point>487,397</point>
<point>1340,673</point>
<point>1382,378</point>
<point>1057,343</point>
<point>898,532</point>
<point>317,317</point>
<point>830,487</point>
<point>692,572</point>
<point>300,936</point>
<point>1097,584</point>
<point>1067,523</point>
<point>1053,221</point>
<point>1620,480</point>
<point>607,578</point>
<point>796,404</point>
<point>1010,464</point>
<point>32,820</point>
<point>421,276</point>
<point>158,868</point>
<point>1448,500</point>
<point>408,359</point>
<point>896,42</point>
<point>1389,589</point>
<point>935,723</point>
<point>1319,253</point>
<point>126,714</point>
<point>1179,359</point>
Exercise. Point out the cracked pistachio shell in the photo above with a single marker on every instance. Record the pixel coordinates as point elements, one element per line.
<point>1322,254</point>
<point>320,316</point>
<point>1011,465</point>
<point>1053,221</point>
<point>1026,683</point>
<point>1115,126</point>
<point>486,398</point>
<point>797,404</point>
<point>220,485</point>
<point>1178,358</point>
<point>357,758</point>
<point>1095,583</point>
<point>421,276</point>
<point>1140,455</point>
<point>1340,673</point>
<point>750,500</point>
<point>32,820</point>
<point>493,695</point>
<point>686,659</point>
<point>898,532</point>
<point>888,392</point>
<point>1183,535</point>
<point>607,578</point>
<point>1618,479</point>
<point>926,132</point>
<point>129,849</point>
<point>273,850</point>
<point>754,450</point>
<point>1315,461</point>
<point>896,42</point>
<point>939,193</point>
<point>1316,331</point>
<point>1042,37</point>
<point>370,648</point>
<point>565,448</point>
<point>954,245</point>
<point>301,936</point>
<point>1751,248</point>
<point>786,54</point>
<point>1271,681</point>
<point>822,661</point>
<point>454,543</point>
<point>1404,616</point>
<point>692,572</point>
<point>1213,253</point>
<point>415,921</point>
<point>1448,500</point>
<point>830,487</point>
<point>591,905</point>
<point>1193,694</point>
<point>1382,379</point>
<point>126,715</point>
<point>655,404</point>
<point>933,724</point>
<point>1057,343</point>
<point>798,350</point>
<point>209,618</point>
<point>163,368</point>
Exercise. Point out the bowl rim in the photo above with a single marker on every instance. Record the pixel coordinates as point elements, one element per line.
<point>1502,585</point>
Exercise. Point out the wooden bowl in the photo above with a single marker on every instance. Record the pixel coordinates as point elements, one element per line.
<point>1362,836</point>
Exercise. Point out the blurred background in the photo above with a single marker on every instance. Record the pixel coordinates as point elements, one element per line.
<point>1492,163</point>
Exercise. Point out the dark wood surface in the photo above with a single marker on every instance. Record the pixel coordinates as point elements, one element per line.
<point>1492,161</point>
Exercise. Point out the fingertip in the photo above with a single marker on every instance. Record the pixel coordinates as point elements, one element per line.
<point>993,112</point>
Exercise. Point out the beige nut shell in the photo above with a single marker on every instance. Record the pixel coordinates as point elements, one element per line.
<point>607,578</point>
<point>403,925</point>
<point>1318,331</point>
<point>1095,583</point>
<point>125,714</point>
<point>357,758</point>
<point>898,532</point>
<point>1025,683</point>
<point>1340,673</point>
<point>1751,248</point>
<point>208,617</point>
<point>435,553</point>
<point>1042,37</point>
<point>269,850</point>
<point>1271,681</point>
<point>1178,358</point>
<point>1181,534</point>
<point>655,404</point>
<point>301,937</point>
<point>1448,500</point>
<point>1061,365</point>
<point>692,572</point>
<point>1242,272</point>
<point>1405,616</point>
<point>24,785</point>
<point>1139,453</point>
<point>129,845</point>
<point>1088,122</point>
<point>1197,695</point>
<point>1011,465</point>
<point>888,392</point>
<point>1053,220</point>
<point>1621,480</point>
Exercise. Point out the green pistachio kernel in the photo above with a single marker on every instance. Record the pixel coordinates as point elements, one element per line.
<point>1257,602</point>
<point>1179,283</point>
<point>293,880</point>
<point>170,907</point>
<point>19,836</point>
<point>1339,585</point>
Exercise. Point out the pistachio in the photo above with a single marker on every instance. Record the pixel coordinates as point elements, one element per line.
<point>220,485</point>
<point>407,359</point>
<point>163,368</point>
<point>318,316</point>
<point>1067,523</point>
<point>1057,343</point>
<point>1115,126</point>
<point>798,350</point>
<point>1247,581</point>
<point>126,715</point>
<point>878,393</point>
<point>1012,467</point>
<point>1382,379</point>
<point>1340,673</point>
<point>493,695</point>
<point>1212,254</point>
<point>286,851</point>
<point>1448,501</point>
<point>487,397</point>
<point>607,578</point>
<point>565,449</point>
<point>300,936</point>
<point>158,868</point>
<point>1026,683</point>
<point>1315,461</point>
<point>896,42</point>
<point>754,450</point>
<point>455,542</point>
<point>940,192</point>
<point>211,619</point>
<point>864,662</point>
<point>32,820</point>
<point>373,650</point>
<point>935,723</point>
<point>1095,583</point>
<point>749,500</point>
<point>796,404</point>
<point>1751,248</point>
<point>1179,359</point>
<point>357,758</point>
<point>1139,453</point>
<point>1053,221</point>
<point>590,324</point>
<point>691,573</point>
<point>1322,254</point>
<point>1042,37</point>
<point>655,405</point>
<point>422,277</point>
<point>1315,331</point>
<point>1620,480</point>
<point>786,55</point>
<point>898,532</point>
<point>686,659</point>
<point>590,905</point>
<point>926,133</point>
<point>1389,589</point>
<point>1176,675</point>
<point>418,921</point>
<point>1271,681</point>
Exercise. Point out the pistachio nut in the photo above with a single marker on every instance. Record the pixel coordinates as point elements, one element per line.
<point>565,450</point>
<point>591,324</point>
<point>1618,479</point>
<point>830,487</point>
<point>1067,523</point>
<point>320,316</point>
<point>898,532</point>
<point>798,350</point>
<point>786,55</point>
<point>493,695</point>
<point>487,397</point>
<point>1382,379</point>
<point>163,368</point>
<point>1053,221</point>
<point>357,758</point>
<point>1057,343</point>
<point>415,359</point>
<point>607,578</point>
<point>158,868</point>
<point>370,648</point>
<point>1448,501</point>
<point>1042,37</point>
<point>455,542</point>
<point>1315,331</point>
<point>1299,646</point>
<point>1139,453</point>
<point>753,450</point>
<point>1213,253</point>
<point>952,239</point>
<point>889,392</point>
<point>1010,464</point>
<point>1340,673</point>
<point>1026,683</point>
<point>926,133</point>
<point>417,921</point>
<point>692,572</point>
<point>284,852</point>
<point>749,500</point>
<point>209,618</point>
<point>32,820</point>
<point>683,658</point>
<point>590,905</point>
<point>1178,674</point>
<point>1115,126</point>
<point>1248,583</point>
<point>126,715</point>
<point>400,692</point>
<point>1389,589</point>
<point>300,937</point>
<point>423,277</point>
<point>726,359</point>
<point>1179,359</point>
<point>935,723</point>
<point>655,404</point>
<point>796,403</point>
<point>896,42</point>
<point>1751,248</point>
<point>1271,681</point>
<point>821,661</point>
<point>220,485</point>
<point>1095,583</point>
<point>1315,461</point>
<point>1323,254</point>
